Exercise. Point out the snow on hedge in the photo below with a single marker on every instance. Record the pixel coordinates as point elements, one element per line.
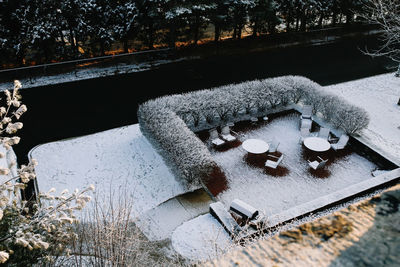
<point>169,120</point>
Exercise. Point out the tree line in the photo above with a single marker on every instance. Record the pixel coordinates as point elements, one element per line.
<point>47,30</point>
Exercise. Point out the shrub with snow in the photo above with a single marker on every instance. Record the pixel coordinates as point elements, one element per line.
<point>178,142</point>
<point>168,120</point>
<point>335,110</point>
<point>29,230</point>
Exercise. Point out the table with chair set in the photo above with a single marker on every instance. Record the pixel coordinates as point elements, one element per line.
<point>316,144</point>
<point>320,143</point>
<point>257,148</point>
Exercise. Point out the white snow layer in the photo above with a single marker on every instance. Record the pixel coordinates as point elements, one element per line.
<point>378,95</point>
<point>89,73</point>
<point>115,161</point>
<point>272,194</point>
<point>202,238</point>
<point>122,158</point>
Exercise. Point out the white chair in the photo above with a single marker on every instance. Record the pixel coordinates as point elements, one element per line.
<point>226,134</point>
<point>341,143</point>
<point>306,123</point>
<point>273,145</point>
<point>317,164</point>
<point>324,133</point>
<point>215,140</point>
<point>273,164</point>
<point>306,112</point>
<point>304,133</point>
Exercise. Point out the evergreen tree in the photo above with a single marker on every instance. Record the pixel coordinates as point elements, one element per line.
<point>239,12</point>
<point>98,19</point>
<point>263,17</point>
<point>151,14</point>
<point>125,21</point>
<point>219,17</point>
<point>197,17</point>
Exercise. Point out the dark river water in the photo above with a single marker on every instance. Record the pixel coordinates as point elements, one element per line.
<point>78,108</point>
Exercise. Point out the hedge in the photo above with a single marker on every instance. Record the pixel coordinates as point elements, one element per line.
<point>169,120</point>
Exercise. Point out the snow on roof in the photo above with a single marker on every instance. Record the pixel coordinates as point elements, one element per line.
<point>118,161</point>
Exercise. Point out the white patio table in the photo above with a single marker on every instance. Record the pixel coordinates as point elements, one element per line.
<point>317,144</point>
<point>255,146</point>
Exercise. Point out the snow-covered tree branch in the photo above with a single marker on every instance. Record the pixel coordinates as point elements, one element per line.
<point>386,13</point>
<point>29,230</point>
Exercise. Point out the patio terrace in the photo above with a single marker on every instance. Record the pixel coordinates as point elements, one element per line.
<point>293,183</point>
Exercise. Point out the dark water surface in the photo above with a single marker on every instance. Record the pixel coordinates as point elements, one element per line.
<point>78,108</point>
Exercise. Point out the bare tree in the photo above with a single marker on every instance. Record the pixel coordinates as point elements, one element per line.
<point>386,13</point>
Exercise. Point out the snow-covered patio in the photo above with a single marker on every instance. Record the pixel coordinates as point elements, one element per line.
<point>378,95</point>
<point>124,159</point>
<point>274,194</point>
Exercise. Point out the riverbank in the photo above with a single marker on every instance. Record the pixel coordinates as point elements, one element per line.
<point>79,108</point>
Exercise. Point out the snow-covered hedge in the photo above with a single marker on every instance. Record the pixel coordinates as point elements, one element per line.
<point>335,110</point>
<point>180,145</point>
<point>168,120</point>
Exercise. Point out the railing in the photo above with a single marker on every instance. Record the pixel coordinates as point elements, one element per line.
<point>74,66</point>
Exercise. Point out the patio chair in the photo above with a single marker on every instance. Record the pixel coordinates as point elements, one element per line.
<point>273,164</point>
<point>215,140</point>
<point>317,164</point>
<point>226,134</point>
<point>304,133</point>
<point>324,133</point>
<point>343,140</point>
<point>306,112</point>
<point>273,145</point>
<point>306,123</point>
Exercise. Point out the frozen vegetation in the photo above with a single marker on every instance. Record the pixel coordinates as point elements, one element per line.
<point>169,121</point>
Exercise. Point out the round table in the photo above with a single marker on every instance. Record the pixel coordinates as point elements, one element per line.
<point>255,146</point>
<point>317,144</point>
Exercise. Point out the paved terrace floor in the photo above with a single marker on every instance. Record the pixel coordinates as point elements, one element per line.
<point>294,184</point>
<point>363,234</point>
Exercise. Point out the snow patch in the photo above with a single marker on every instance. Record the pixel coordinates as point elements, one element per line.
<point>202,238</point>
<point>378,95</point>
<point>115,161</point>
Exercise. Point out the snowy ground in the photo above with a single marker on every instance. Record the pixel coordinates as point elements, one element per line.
<point>123,159</point>
<point>204,230</point>
<point>115,161</point>
<point>276,194</point>
<point>89,73</point>
<point>379,96</point>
